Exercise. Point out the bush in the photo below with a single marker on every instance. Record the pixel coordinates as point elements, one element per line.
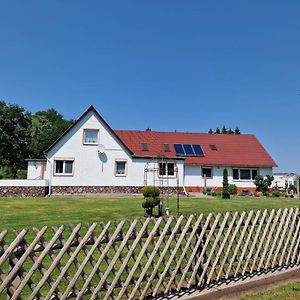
<point>151,195</point>
<point>21,174</point>
<point>5,174</point>
<point>232,188</point>
<point>151,191</point>
<point>263,184</point>
<point>276,194</point>
<point>225,194</point>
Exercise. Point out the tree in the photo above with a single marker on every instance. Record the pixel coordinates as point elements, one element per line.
<point>218,130</point>
<point>47,127</point>
<point>15,124</point>
<point>224,130</point>
<point>210,131</point>
<point>263,184</point>
<point>237,130</point>
<point>225,194</point>
<point>230,131</point>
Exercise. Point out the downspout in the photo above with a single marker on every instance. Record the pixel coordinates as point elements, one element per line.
<point>50,173</point>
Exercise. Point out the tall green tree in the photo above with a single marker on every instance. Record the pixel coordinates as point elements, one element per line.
<point>237,130</point>
<point>224,130</point>
<point>225,193</point>
<point>47,127</point>
<point>218,130</point>
<point>15,124</point>
<point>210,131</point>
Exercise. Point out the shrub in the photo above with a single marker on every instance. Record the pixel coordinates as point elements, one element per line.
<point>263,184</point>
<point>232,188</point>
<point>151,195</point>
<point>225,194</point>
<point>276,194</point>
<point>5,174</point>
<point>151,191</point>
<point>21,174</point>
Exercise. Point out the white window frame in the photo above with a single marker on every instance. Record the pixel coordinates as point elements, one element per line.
<point>83,136</point>
<point>126,167</point>
<point>166,169</point>
<point>207,167</point>
<point>239,171</point>
<point>63,159</point>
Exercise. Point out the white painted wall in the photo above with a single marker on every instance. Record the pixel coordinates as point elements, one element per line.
<point>92,169</point>
<point>23,182</point>
<point>193,177</point>
<point>281,179</point>
<point>35,169</point>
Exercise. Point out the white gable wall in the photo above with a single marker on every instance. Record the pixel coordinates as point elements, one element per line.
<point>92,169</point>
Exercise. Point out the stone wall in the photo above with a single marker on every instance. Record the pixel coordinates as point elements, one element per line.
<point>23,191</point>
<point>81,190</point>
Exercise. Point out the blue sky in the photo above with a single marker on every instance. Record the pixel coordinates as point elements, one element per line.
<point>184,65</point>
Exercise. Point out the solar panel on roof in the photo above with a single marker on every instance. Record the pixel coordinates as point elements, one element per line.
<point>198,150</point>
<point>188,149</point>
<point>179,149</point>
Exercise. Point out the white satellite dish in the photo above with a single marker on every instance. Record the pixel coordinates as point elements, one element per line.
<point>101,149</point>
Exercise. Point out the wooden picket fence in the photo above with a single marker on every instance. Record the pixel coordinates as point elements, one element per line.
<point>144,258</point>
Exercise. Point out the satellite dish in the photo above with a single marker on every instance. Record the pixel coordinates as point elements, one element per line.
<point>101,149</point>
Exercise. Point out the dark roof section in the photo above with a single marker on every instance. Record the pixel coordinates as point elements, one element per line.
<point>91,108</point>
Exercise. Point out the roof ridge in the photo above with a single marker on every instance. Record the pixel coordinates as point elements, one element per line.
<point>183,132</point>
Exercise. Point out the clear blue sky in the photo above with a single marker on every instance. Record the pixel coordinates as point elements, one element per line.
<point>184,65</point>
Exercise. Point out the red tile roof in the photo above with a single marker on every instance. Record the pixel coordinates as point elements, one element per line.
<point>233,150</point>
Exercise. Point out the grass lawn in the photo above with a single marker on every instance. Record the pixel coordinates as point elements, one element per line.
<point>290,291</point>
<point>29,212</point>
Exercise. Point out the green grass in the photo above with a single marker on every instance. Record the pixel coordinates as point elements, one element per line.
<point>289,291</point>
<point>29,212</point>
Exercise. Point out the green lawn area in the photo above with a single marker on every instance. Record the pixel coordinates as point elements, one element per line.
<point>29,212</point>
<point>290,291</point>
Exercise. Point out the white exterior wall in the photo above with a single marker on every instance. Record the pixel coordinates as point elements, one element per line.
<point>92,169</point>
<point>280,180</point>
<point>23,182</point>
<point>193,177</point>
<point>35,169</point>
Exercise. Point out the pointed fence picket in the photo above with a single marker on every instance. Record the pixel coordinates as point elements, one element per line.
<point>136,259</point>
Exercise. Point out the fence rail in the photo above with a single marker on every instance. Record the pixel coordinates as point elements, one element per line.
<point>148,257</point>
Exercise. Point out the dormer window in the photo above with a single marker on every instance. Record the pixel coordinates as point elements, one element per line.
<point>145,147</point>
<point>90,136</point>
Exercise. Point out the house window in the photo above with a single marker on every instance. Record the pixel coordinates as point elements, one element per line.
<point>63,167</point>
<point>121,168</point>
<point>166,169</point>
<point>91,136</point>
<point>244,174</point>
<point>207,172</point>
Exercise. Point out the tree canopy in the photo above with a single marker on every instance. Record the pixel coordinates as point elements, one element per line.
<point>225,130</point>
<point>23,135</point>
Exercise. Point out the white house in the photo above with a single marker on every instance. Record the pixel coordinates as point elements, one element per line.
<point>284,180</point>
<point>91,157</point>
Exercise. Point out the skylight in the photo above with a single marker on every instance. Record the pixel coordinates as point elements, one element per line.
<point>145,147</point>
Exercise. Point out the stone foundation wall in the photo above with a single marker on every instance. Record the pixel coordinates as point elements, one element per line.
<point>81,190</point>
<point>23,191</point>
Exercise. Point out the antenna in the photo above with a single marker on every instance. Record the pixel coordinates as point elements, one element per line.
<point>101,149</point>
